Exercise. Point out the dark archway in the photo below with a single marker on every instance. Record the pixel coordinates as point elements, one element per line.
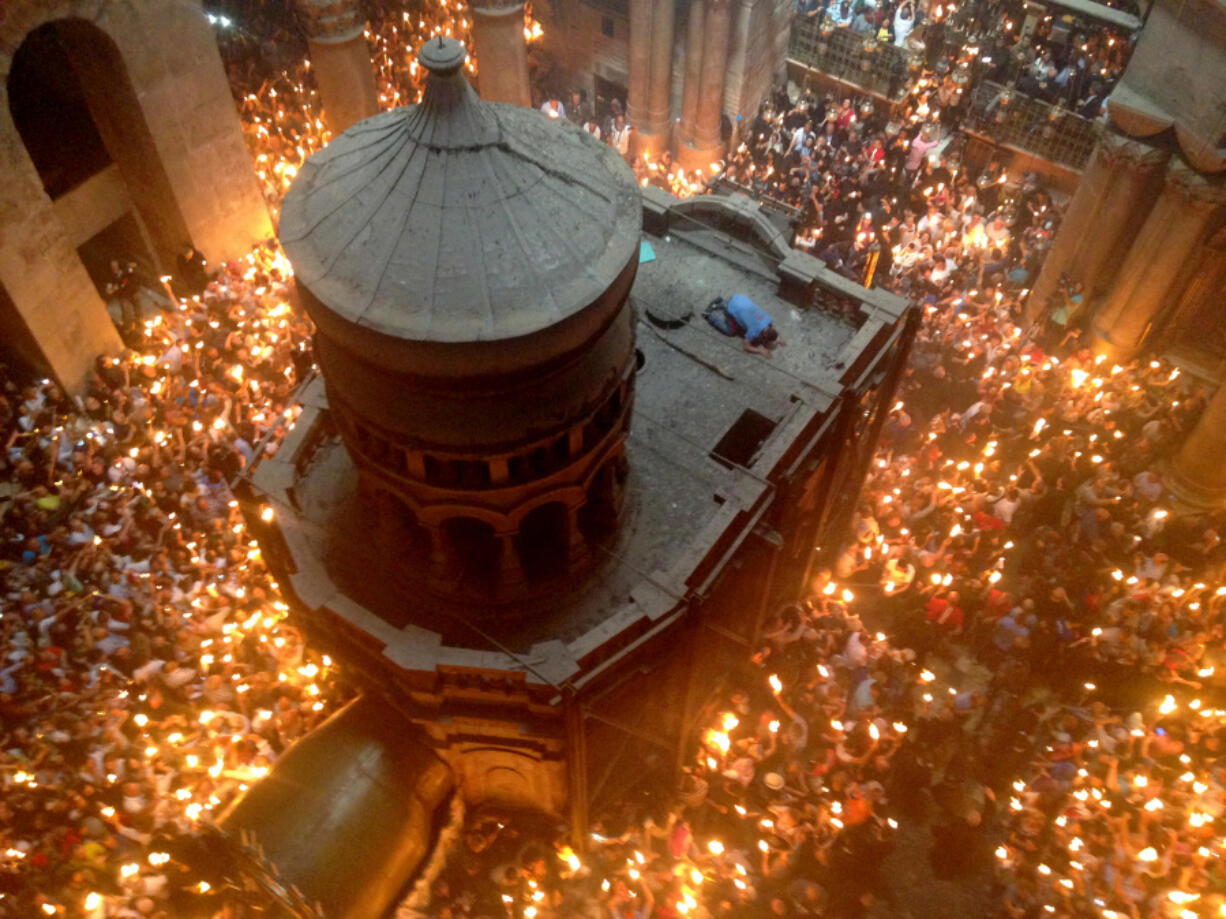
<point>20,350</point>
<point>598,516</point>
<point>541,541</point>
<point>475,551</point>
<point>78,115</point>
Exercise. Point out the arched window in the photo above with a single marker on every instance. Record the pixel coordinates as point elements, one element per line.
<point>78,115</point>
<point>476,551</point>
<point>541,541</point>
<point>598,516</point>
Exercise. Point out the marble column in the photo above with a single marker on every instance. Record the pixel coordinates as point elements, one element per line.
<point>706,145</point>
<point>502,52</point>
<point>1102,219</point>
<point>654,135</point>
<point>693,71</point>
<point>737,100</point>
<point>1197,475</point>
<point>1153,269</point>
<point>639,81</point>
<point>340,60</point>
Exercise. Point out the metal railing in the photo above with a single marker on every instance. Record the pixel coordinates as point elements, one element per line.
<point>1000,113</point>
<point>875,66</point>
<point>1050,132</point>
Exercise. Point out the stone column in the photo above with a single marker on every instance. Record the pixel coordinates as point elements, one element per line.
<point>1153,268</point>
<point>1202,297</point>
<point>340,60</point>
<point>511,576</point>
<point>502,51</point>
<point>653,136</point>
<point>1135,169</point>
<point>693,72</point>
<point>1198,472</point>
<point>444,567</point>
<point>577,550</point>
<point>1100,219</point>
<point>737,80</point>
<point>637,105</point>
<point>706,145</point>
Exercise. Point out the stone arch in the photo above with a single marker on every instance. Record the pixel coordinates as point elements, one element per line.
<point>541,541</point>
<point>602,504</point>
<point>179,115</point>
<point>436,515</point>
<point>737,215</point>
<point>474,552</point>
<point>570,495</point>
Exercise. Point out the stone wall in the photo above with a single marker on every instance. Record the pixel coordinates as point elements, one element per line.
<point>93,205</point>
<point>205,188</point>
<point>576,41</point>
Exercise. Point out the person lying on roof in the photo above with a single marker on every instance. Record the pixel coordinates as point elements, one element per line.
<point>753,325</point>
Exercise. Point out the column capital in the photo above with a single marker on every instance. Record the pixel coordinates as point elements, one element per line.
<point>331,20</point>
<point>1195,188</point>
<point>1117,150</point>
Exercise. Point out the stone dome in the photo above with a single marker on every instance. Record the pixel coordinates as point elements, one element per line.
<point>458,220</point>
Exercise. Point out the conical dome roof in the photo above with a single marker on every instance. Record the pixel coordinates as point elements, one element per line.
<point>460,220</point>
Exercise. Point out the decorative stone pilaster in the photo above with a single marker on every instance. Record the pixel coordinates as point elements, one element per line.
<point>1121,212</point>
<point>1153,268</point>
<point>738,96</point>
<point>502,51</point>
<point>340,60</point>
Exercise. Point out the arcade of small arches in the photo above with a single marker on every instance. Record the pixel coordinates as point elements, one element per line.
<point>500,527</point>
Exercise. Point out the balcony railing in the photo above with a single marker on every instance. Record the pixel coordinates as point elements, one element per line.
<point>999,113</point>
<point>875,66</point>
<point>1050,132</point>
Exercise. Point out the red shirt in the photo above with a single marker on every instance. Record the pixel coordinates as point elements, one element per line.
<point>936,609</point>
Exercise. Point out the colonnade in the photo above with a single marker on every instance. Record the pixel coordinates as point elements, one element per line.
<point>1153,272</point>
<point>650,84</point>
<point>717,38</point>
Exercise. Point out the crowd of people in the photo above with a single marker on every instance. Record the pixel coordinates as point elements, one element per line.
<point>1015,538</point>
<point>1043,703</point>
<point>1017,649</point>
<point>1067,61</point>
<point>270,73</point>
<point>147,670</point>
